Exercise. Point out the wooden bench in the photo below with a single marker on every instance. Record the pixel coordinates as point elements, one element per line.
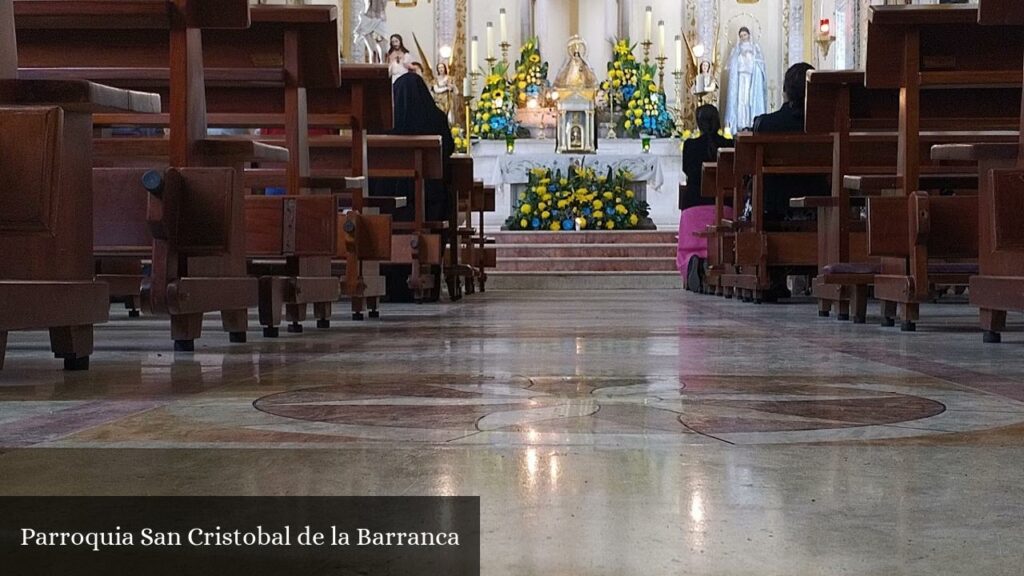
<point>839,103</point>
<point>999,285</point>
<point>717,182</point>
<point>194,209</point>
<point>471,253</point>
<point>983,63</point>
<point>758,247</point>
<point>46,203</point>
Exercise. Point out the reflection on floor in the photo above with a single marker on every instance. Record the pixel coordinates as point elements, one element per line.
<point>606,432</point>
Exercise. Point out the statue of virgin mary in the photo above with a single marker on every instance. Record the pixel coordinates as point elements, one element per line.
<point>748,93</point>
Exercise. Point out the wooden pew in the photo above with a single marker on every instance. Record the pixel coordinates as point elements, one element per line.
<point>361,103</point>
<point>986,60</point>
<point>999,285</point>
<point>717,182</point>
<point>758,247</point>
<point>473,251</point>
<point>46,277</point>
<point>195,203</point>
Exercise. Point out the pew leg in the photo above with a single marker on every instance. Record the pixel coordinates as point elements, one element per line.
<point>844,310</point>
<point>888,313</point>
<point>235,323</point>
<point>133,304</point>
<point>3,348</point>
<point>909,312</point>
<point>373,303</point>
<point>859,303</point>
<point>357,307</point>
<point>322,313</point>
<point>73,344</point>
<point>271,303</point>
<point>483,282</point>
<point>185,328</point>
<point>295,314</point>
<point>824,308</point>
<point>993,322</point>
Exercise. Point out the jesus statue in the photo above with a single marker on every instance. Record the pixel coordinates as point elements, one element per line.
<point>748,94</point>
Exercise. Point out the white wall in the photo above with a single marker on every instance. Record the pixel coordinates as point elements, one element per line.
<point>418,19</point>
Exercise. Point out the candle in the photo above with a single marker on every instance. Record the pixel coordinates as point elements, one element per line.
<point>465,87</point>
<point>647,24</point>
<point>661,37</point>
<point>679,53</point>
<point>474,63</point>
<point>490,40</point>
<point>825,27</point>
<point>502,26</point>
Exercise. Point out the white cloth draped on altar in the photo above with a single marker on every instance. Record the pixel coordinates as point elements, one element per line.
<point>659,171</point>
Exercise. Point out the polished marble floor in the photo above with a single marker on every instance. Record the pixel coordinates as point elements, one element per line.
<point>607,432</point>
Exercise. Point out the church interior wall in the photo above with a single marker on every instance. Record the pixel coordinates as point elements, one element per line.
<point>418,19</point>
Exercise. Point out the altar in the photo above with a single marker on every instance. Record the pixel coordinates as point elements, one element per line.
<point>656,174</point>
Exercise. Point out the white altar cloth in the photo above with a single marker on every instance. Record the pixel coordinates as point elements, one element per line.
<point>660,170</point>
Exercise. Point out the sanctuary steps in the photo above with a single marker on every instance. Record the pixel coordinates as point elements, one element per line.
<point>642,260</point>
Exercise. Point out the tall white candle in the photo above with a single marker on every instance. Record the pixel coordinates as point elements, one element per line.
<point>679,53</point>
<point>474,62</point>
<point>649,15</point>
<point>490,39</point>
<point>465,87</point>
<point>502,25</point>
<point>661,37</point>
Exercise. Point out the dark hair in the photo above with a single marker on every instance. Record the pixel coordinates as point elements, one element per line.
<point>447,70</point>
<point>401,44</point>
<point>794,85</point>
<point>742,30</point>
<point>709,123</point>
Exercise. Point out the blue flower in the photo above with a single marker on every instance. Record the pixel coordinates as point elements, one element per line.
<point>567,224</point>
<point>586,211</point>
<point>552,187</point>
<point>535,223</point>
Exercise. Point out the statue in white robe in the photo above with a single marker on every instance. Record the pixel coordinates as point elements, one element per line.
<point>748,92</point>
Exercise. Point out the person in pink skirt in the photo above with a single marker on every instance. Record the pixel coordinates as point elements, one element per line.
<point>697,211</point>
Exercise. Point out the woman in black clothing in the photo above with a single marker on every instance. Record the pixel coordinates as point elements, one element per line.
<point>698,212</point>
<point>415,113</point>
<point>697,151</point>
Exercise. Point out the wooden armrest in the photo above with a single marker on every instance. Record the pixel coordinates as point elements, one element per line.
<point>814,202</point>
<point>216,150</point>
<point>334,182</point>
<point>975,152</point>
<point>872,183</point>
<point>77,96</point>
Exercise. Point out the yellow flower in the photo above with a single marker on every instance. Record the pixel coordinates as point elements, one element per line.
<point>485,128</point>
<point>598,205</point>
<point>522,96</point>
<point>616,83</point>
<point>545,215</point>
<point>563,181</point>
<point>497,94</point>
<point>598,214</point>
<point>486,116</point>
<point>581,222</point>
<point>632,104</point>
<point>542,206</point>
<point>539,172</point>
<point>633,219</point>
<point>493,79</point>
<point>630,194</point>
<point>652,87</point>
<point>526,209</point>
<point>523,223</point>
<point>563,203</point>
<point>534,58</point>
<point>555,227</point>
<point>637,122</point>
<point>608,195</point>
<point>620,208</point>
<point>609,224</point>
<point>522,84</point>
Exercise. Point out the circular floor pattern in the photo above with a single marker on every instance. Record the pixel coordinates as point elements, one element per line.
<point>575,409</point>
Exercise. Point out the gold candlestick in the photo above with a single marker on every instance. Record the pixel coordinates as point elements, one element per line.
<point>647,50</point>
<point>661,70</point>
<point>491,61</point>
<point>504,51</point>
<point>678,75</point>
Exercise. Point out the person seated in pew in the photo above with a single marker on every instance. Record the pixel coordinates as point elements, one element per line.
<point>697,211</point>
<point>415,114</point>
<point>778,189</point>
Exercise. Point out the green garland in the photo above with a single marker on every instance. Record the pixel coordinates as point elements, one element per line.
<point>580,200</point>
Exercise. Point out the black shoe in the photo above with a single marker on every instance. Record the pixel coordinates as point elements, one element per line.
<point>695,275</point>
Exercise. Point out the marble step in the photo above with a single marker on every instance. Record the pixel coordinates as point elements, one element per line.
<point>587,264</point>
<point>585,237</point>
<point>499,280</point>
<point>592,250</point>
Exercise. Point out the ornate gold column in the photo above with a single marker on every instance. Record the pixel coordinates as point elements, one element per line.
<point>459,67</point>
